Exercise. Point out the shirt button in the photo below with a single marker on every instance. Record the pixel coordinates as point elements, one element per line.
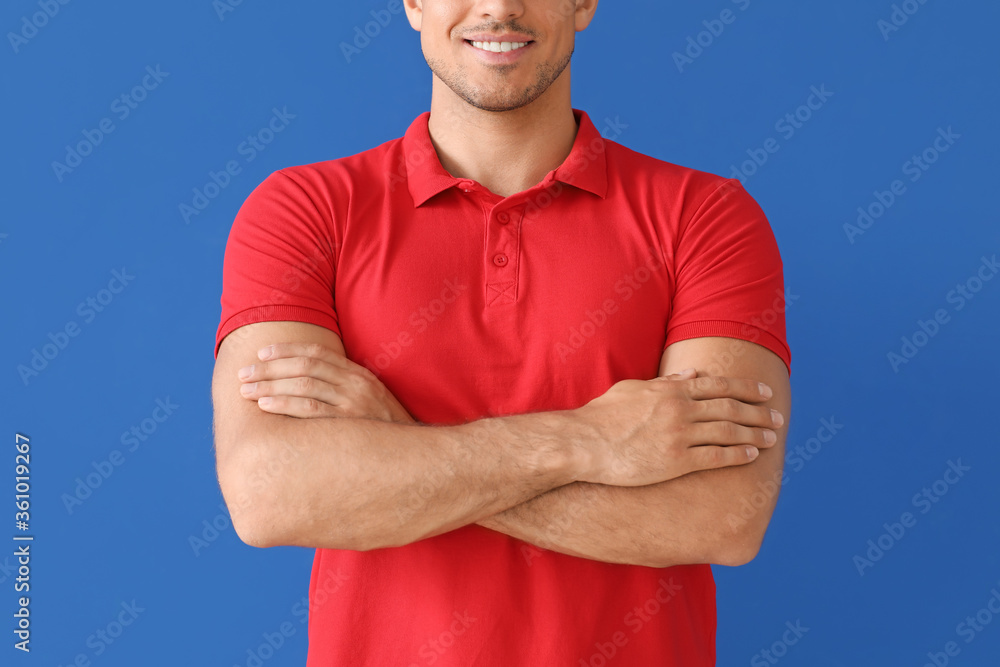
<point>503,217</point>
<point>500,260</point>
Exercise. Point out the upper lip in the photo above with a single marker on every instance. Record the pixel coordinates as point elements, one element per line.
<point>505,37</point>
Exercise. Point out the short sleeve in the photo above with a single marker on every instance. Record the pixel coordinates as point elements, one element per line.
<point>279,260</point>
<point>728,274</point>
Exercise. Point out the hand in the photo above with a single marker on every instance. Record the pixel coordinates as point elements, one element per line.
<point>310,380</point>
<point>654,430</point>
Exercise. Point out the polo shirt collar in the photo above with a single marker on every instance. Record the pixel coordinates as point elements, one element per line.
<point>585,167</point>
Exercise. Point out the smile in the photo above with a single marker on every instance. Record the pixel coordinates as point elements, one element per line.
<point>498,47</point>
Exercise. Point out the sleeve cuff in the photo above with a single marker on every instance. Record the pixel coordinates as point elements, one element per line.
<point>730,329</point>
<point>275,313</point>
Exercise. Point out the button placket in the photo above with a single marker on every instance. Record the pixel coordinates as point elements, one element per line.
<point>501,256</point>
<point>505,239</point>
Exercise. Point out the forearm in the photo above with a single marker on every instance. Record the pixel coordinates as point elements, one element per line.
<point>361,484</point>
<point>345,482</point>
<point>708,516</point>
<point>698,518</point>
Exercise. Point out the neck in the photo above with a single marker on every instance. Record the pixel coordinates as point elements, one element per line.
<point>508,151</point>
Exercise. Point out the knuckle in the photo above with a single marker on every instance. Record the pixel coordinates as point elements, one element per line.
<point>357,379</point>
<point>314,350</point>
<point>698,408</point>
<point>684,435</point>
<point>303,365</point>
<point>728,431</point>
<point>311,406</point>
<point>676,405</point>
<point>714,383</point>
<point>304,384</point>
<point>713,456</point>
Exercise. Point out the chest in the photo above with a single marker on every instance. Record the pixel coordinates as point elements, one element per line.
<point>516,306</point>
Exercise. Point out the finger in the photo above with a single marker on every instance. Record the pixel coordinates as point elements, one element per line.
<point>708,456</point>
<point>293,367</point>
<point>300,387</point>
<point>685,374</point>
<point>717,386</point>
<point>730,409</point>
<point>314,350</point>
<point>727,433</point>
<point>295,406</point>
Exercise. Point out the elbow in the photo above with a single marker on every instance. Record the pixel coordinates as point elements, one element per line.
<point>735,548</point>
<point>251,534</point>
<point>252,525</point>
<point>268,512</point>
<point>256,529</point>
<point>736,556</point>
<point>730,553</point>
<point>249,521</point>
<point>723,548</point>
<point>270,506</point>
<point>727,546</point>
<point>740,536</point>
<point>250,500</point>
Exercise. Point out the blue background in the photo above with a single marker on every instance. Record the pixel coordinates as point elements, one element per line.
<point>131,538</point>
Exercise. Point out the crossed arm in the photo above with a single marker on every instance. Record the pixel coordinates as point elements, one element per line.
<point>700,517</point>
<point>696,518</point>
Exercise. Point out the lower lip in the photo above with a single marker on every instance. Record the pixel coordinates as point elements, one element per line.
<point>503,57</point>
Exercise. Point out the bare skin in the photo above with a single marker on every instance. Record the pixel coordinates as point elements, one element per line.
<point>504,126</point>
<point>626,478</point>
<point>649,473</point>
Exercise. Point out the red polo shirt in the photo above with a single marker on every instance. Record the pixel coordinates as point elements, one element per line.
<point>468,304</point>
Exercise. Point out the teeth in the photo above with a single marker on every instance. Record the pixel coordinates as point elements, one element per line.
<point>497,47</point>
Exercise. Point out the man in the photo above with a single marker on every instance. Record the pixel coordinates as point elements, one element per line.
<point>514,382</point>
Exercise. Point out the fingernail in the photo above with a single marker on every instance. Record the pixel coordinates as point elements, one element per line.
<point>752,452</point>
<point>265,353</point>
<point>249,388</point>
<point>765,391</point>
<point>777,418</point>
<point>770,437</point>
<point>267,400</point>
<point>246,372</point>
